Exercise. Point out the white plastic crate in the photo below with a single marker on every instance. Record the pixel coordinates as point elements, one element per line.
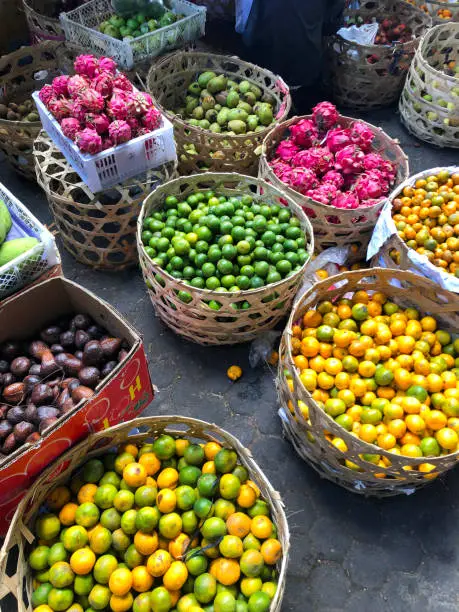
<point>114,165</point>
<point>80,28</point>
<point>27,267</point>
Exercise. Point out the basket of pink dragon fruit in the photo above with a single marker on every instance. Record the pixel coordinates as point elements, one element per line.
<point>340,170</point>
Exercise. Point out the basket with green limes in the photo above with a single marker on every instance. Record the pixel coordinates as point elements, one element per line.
<point>222,255</point>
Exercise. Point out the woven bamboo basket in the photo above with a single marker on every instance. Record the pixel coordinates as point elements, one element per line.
<point>436,119</point>
<point>17,81</point>
<point>333,226</point>
<point>97,229</point>
<point>394,252</point>
<point>19,536</point>
<point>363,77</point>
<point>168,80</point>
<point>42,27</point>
<point>195,320</point>
<point>309,436</point>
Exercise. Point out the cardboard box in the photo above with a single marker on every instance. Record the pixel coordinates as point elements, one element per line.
<point>120,397</point>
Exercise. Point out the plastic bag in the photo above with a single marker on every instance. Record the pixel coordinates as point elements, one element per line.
<point>262,347</point>
<point>362,35</point>
<point>329,260</point>
<point>154,9</point>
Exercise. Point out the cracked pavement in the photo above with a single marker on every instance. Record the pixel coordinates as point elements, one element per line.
<point>348,553</point>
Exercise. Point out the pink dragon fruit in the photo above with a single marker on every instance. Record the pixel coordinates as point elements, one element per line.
<point>70,127</point>
<point>286,150</point>
<point>389,171</point>
<point>317,159</point>
<point>76,85</point>
<point>362,136</point>
<point>86,65</point>
<point>139,103</point>
<point>325,116</point>
<point>133,124</point>
<point>92,100</point>
<point>106,64</point>
<point>119,131</point>
<point>143,131</point>
<point>117,107</point>
<point>325,193</point>
<point>89,141</point>
<point>302,180</point>
<point>372,161</point>
<point>107,144</point>
<point>103,84</point>
<point>122,82</point>
<point>333,177</point>
<point>98,122</point>
<point>60,85</point>
<point>152,119</point>
<point>375,162</point>
<point>304,133</point>
<point>369,186</point>
<point>47,95</point>
<point>338,139</point>
<point>279,167</point>
<point>349,160</point>
<point>61,108</point>
<point>346,200</point>
<point>79,111</point>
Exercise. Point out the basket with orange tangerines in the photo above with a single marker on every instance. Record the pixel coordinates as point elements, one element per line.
<point>370,376</point>
<point>166,524</point>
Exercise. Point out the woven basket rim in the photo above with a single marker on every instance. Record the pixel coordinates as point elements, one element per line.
<point>395,45</point>
<point>427,40</point>
<point>326,208</point>
<point>209,293</point>
<point>317,289</point>
<point>221,57</point>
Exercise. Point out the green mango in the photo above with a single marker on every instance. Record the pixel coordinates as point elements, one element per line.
<point>205,77</point>
<point>194,122</point>
<point>214,127</point>
<point>218,107</point>
<point>237,114</point>
<point>265,114</point>
<point>237,126</point>
<point>250,98</point>
<point>244,87</point>
<point>222,117</point>
<point>211,115</point>
<point>256,90</point>
<point>232,84</point>
<point>198,113</point>
<point>245,107</point>
<point>204,124</point>
<point>252,122</point>
<point>5,221</point>
<point>191,105</point>
<point>217,84</point>
<point>232,99</point>
<point>208,102</point>
<point>167,19</point>
<point>194,89</point>
<point>13,248</point>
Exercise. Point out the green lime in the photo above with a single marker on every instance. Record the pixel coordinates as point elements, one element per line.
<point>186,497</point>
<point>208,269</point>
<point>207,485</point>
<point>202,507</point>
<point>256,282</point>
<point>189,475</point>
<point>284,267</point>
<point>197,282</point>
<point>215,255</point>
<point>128,522</point>
<point>40,594</point>
<point>164,447</point>
<point>212,283</point>
<point>57,553</point>
<point>196,562</point>
<point>38,559</point>
<point>430,447</point>
<point>60,599</point>
<point>189,522</point>
<point>84,584</point>
<point>110,519</point>
<point>228,250</point>
<point>213,528</point>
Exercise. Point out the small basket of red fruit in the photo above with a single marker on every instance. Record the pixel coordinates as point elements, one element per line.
<point>371,75</point>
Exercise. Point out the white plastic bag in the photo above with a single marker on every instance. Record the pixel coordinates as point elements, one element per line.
<point>362,35</point>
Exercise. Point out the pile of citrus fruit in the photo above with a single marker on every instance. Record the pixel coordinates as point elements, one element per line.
<point>170,525</point>
<point>384,373</point>
<point>224,243</point>
<point>426,216</point>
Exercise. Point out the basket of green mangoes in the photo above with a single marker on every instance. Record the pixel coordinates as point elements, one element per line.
<point>221,108</point>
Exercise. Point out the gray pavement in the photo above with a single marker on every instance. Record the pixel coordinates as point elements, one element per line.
<point>348,553</point>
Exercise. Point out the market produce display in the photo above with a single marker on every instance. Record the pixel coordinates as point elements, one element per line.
<point>426,216</point>
<point>24,111</point>
<point>45,377</point>
<point>224,243</point>
<point>389,30</point>
<point>137,24</point>
<point>222,105</point>
<point>331,164</point>
<point>165,525</point>
<point>387,374</point>
<point>98,107</point>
